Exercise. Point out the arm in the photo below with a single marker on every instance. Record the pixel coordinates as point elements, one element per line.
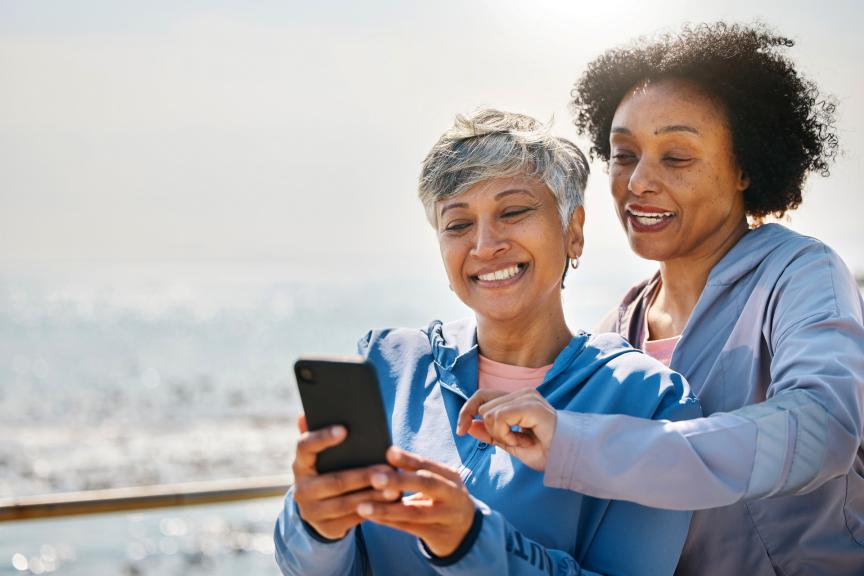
<point>483,542</point>
<point>621,545</point>
<point>315,532</point>
<point>300,551</point>
<point>806,432</point>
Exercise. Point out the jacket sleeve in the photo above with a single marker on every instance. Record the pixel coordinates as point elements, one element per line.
<point>501,549</point>
<point>300,552</point>
<point>806,432</point>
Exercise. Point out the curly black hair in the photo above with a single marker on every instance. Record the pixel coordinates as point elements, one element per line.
<point>782,127</point>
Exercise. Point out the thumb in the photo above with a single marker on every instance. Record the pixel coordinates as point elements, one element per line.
<point>478,430</point>
<point>301,423</point>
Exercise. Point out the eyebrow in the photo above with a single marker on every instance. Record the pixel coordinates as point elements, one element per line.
<point>498,196</point>
<point>676,128</point>
<point>453,205</point>
<point>663,130</point>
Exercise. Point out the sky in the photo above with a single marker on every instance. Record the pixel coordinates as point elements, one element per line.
<point>292,132</point>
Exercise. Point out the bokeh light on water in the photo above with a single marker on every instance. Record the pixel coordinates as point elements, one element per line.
<point>213,540</point>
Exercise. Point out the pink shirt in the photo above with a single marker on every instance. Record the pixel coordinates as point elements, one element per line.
<point>661,349</point>
<point>497,376</point>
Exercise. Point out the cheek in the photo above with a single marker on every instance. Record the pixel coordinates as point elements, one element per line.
<point>451,256</point>
<point>619,182</point>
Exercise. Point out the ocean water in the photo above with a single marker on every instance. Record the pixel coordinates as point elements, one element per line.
<point>132,375</point>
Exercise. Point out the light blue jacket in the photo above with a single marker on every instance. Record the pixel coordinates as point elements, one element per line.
<point>522,526</point>
<point>774,350</point>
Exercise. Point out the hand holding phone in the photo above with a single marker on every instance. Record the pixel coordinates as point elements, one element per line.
<point>343,442</point>
<point>328,502</point>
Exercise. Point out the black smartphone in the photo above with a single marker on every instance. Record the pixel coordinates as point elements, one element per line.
<point>344,390</point>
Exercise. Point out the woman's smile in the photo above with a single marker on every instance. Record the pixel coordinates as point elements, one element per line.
<point>648,218</point>
<point>500,276</point>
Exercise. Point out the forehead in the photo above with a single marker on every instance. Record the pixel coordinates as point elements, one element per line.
<point>652,105</point>
<point>496,189</point>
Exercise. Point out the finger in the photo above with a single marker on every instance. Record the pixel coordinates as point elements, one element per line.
<point>417,513</point>
<point>332,484</point>
<point>521,440</point>
<point>405,460</point>
<point>500,427</point>
<point>522,412</point>
<point>333,508</point>
<point>311,444</point>
<point>478,431</point>
<point>499,401</point>
<point>433,486</point>
<point>337,528</point>
<point>301,423</point>
<point>471,408</point>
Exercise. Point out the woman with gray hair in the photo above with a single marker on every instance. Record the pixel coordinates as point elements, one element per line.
<point>505,198</point>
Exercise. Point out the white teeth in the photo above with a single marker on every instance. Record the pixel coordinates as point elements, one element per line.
<point>652,215</point>
<point>504,274</point>
<point>647,220</point>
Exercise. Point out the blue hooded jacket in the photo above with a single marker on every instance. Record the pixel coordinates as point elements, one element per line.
<point>521,527</point>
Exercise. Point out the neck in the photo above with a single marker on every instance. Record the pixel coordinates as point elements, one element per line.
<point>682,282</point>
<point>533,342</point>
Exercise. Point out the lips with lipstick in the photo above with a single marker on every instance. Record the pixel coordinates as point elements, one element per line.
<point>648,218</point>
<point>500,276</point>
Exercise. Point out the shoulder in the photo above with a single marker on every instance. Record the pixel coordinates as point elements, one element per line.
<point>808,280</point>
<point>631,382</point>
<point>385,341</point>
<point>404,344</point>
<point>779,252</point>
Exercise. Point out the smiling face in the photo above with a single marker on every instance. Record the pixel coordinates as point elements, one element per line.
<point>677,187</point>
<point>504,248</point>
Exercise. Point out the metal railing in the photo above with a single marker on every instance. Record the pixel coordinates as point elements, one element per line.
<point>141,498</point>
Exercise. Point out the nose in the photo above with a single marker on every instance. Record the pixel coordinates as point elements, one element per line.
<point>643,179</point>
<point>489,241</point>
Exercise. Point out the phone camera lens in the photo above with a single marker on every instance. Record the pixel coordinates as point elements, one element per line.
<point>306,374</point>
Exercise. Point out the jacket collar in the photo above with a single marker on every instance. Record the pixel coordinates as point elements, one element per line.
<point>455,352</point>
<point>750,251</point>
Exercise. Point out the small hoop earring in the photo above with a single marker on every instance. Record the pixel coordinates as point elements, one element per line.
<point>574,262</point>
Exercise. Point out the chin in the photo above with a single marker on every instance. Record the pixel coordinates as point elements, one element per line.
<point>650,250</point>
<point>498,314</point>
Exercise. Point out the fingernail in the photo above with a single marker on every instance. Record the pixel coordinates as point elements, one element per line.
<point>379,480</point>
<point>364,509</point>
<point>391,494</point>
<point>338,431</point>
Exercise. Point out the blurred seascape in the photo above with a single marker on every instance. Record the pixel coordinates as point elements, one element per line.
<point>114,376</point>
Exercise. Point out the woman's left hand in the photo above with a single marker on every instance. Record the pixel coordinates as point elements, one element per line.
<point>439,512</point>
<point>500,412</point>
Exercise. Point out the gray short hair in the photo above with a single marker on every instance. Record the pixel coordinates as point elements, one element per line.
<point>494,144</point>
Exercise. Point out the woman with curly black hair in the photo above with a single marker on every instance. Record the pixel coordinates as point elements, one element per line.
<point>705,133</point>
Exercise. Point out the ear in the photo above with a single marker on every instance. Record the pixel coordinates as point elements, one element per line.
<point>743,181</point>
<point>575,238</point>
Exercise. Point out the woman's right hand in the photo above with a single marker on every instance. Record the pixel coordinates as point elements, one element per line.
<point>328,502</point>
